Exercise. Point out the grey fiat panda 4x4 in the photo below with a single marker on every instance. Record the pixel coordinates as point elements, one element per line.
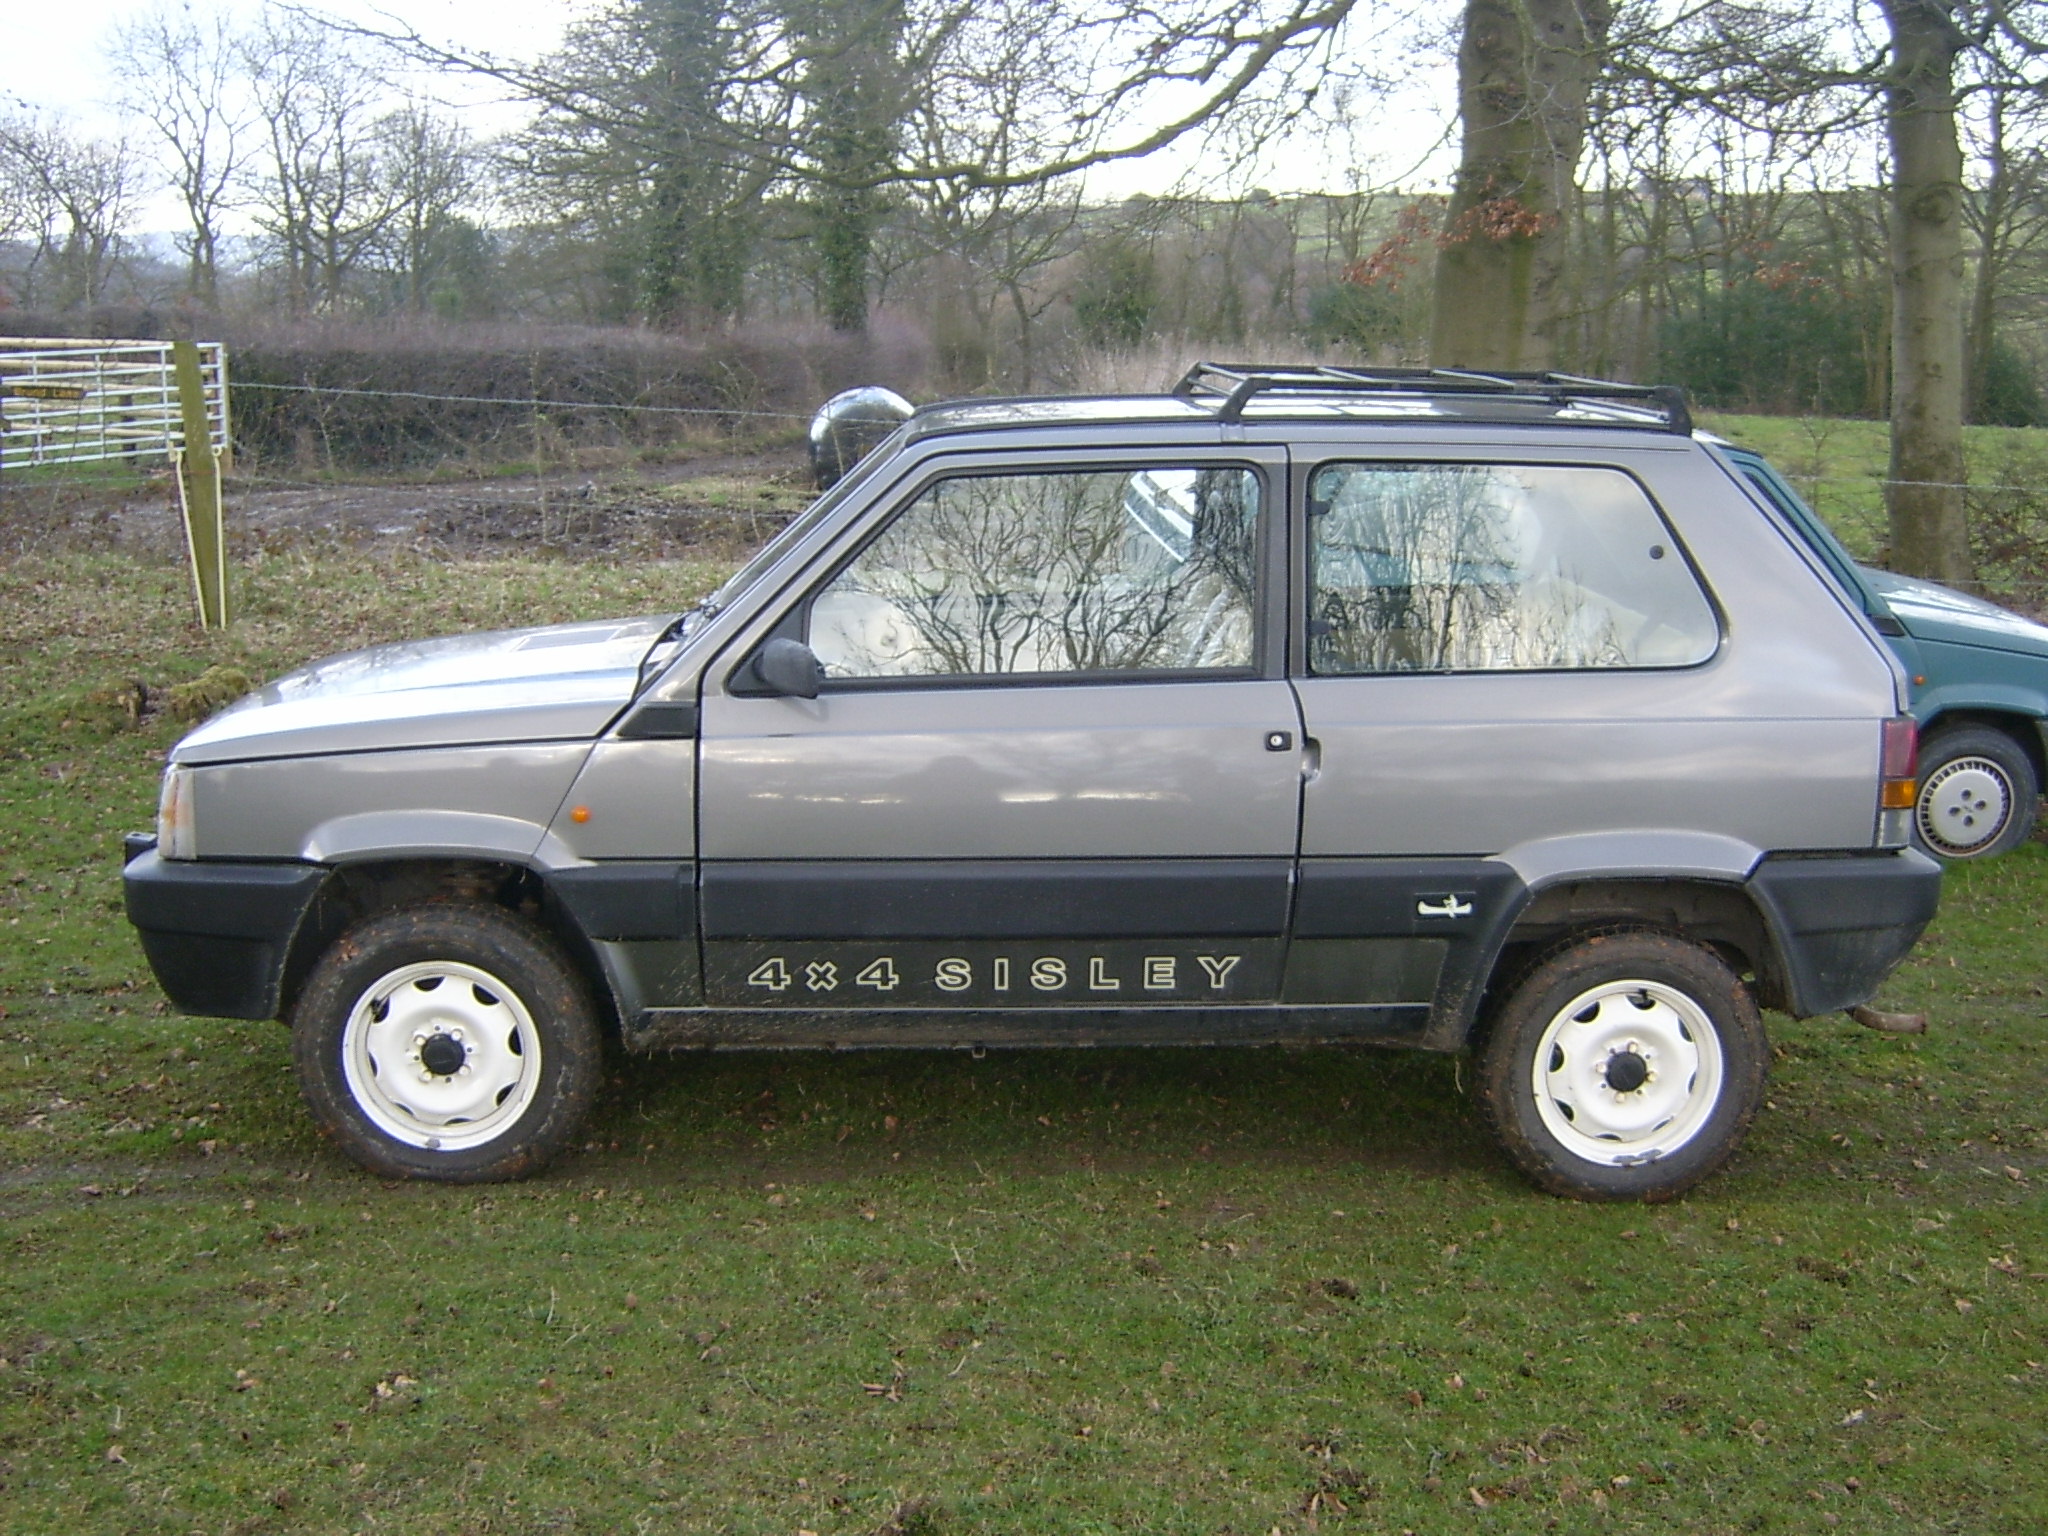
<point>1299,704</point>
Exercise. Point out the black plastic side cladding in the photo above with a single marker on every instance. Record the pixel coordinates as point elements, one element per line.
<point>629,898</point>
<point>995,899</point>
<point>1842,924</point>
<point>639,917</point>
<point>1461,909</point>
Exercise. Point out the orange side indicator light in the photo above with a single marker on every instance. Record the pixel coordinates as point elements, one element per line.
<point>580,814</point>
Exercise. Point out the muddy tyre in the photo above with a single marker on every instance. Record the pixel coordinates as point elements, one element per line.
<point>447,1042</point>
<point>1623,1067</point>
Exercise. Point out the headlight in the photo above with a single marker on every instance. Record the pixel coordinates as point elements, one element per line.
<point>174,833</point>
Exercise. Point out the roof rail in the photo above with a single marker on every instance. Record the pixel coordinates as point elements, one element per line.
<point>1234,385</point>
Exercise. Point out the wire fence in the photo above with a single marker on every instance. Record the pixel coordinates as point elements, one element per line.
<point>706,411</point>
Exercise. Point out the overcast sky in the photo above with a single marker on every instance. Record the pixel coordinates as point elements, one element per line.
<point>53,57</point>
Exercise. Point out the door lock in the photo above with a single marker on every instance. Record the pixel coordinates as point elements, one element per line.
<point>1279,741</point>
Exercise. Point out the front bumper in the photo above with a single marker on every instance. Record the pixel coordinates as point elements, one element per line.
<point>217,935</point>
<point>1842,924</point>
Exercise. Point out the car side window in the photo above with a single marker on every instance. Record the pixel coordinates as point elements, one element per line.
<point>1151,570</point>
<point>1495,567</point>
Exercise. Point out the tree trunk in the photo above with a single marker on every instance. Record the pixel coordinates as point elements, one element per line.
<point>1994,212</point>
<point>845,236</point>
<point>1525,70</point>
<point>855,95</point>
<point>1924,499</point>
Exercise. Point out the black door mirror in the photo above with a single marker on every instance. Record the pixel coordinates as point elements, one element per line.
<point>782,669</point>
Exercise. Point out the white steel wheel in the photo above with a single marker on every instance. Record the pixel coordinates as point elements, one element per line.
<point>1624,1066</point>
<point>441,1055</point>
<point>1627,1072</point>
<point>447,1041</point>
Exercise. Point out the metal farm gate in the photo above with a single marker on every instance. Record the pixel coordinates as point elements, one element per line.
<point>76,401</point>
<point>71,401</point>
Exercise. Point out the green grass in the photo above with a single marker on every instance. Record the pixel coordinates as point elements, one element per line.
<point>1839,465</point>
<point>90,475</point>
<point>1085,1292</point>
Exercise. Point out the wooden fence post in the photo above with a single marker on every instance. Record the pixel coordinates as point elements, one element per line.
<point>198,470</point>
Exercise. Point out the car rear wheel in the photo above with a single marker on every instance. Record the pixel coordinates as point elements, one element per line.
<point>447,1042</point>
<point>1979,794</point>
<point>1626,1066</point>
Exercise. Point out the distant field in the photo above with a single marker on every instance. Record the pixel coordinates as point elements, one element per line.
<point>1172,1292</point>
<point>1839,466</point>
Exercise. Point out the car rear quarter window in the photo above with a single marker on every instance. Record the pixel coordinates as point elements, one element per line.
<point>1495,567</point>
<point>1105,571</point>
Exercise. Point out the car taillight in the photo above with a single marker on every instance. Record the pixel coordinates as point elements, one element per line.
<point>1899,764</point>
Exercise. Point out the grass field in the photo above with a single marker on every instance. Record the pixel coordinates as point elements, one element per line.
<point>1839,467</point>
<point>1087,1292</point>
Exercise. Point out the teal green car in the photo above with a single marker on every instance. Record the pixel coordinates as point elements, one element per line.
<point>1980,687</point>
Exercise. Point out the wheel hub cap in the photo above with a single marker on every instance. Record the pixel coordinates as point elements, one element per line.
<point>1627,1072</point>
<point>1964,804</point>
<point>443,1055</point>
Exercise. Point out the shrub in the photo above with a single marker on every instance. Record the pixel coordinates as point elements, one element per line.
<point>2007,506</point>
<point>2009,394</point>
<point>1348,314</point>
<point>1777,339</point>
<point>1116,292</point>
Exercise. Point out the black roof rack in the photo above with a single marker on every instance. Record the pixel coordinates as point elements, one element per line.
<point>1235,384</point>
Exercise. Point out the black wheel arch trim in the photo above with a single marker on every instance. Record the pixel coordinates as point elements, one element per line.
<point>1841,925</point>
<point>236,940</point>
<point>220,936</point>
<point>1820,931</point>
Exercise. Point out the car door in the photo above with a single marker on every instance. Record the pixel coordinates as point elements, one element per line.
<point>1053,763</point>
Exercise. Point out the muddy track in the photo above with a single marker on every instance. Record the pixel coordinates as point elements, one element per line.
<point>714,502</point>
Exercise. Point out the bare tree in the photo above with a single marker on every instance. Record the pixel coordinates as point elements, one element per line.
<point>1905,58</point>
<point>319,191</point>
<point>853,83</point>
<point>981,105</point>
<point>432,170</point>
<point>183,76</point>
<point>2003,133</point>
<point>1929,533</point>
<point>72,198</point>
<point>817,109</point>
<point>648,136</point>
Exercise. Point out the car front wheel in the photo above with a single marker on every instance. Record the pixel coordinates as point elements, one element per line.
<point>1624,1067</point>
<point>1978,796</point>
<point>447,1042</point>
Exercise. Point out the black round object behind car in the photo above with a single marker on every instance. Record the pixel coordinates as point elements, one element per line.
<point>850,424</point>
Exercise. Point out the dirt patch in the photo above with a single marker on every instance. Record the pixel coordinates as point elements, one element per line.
<point>712,504</point>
